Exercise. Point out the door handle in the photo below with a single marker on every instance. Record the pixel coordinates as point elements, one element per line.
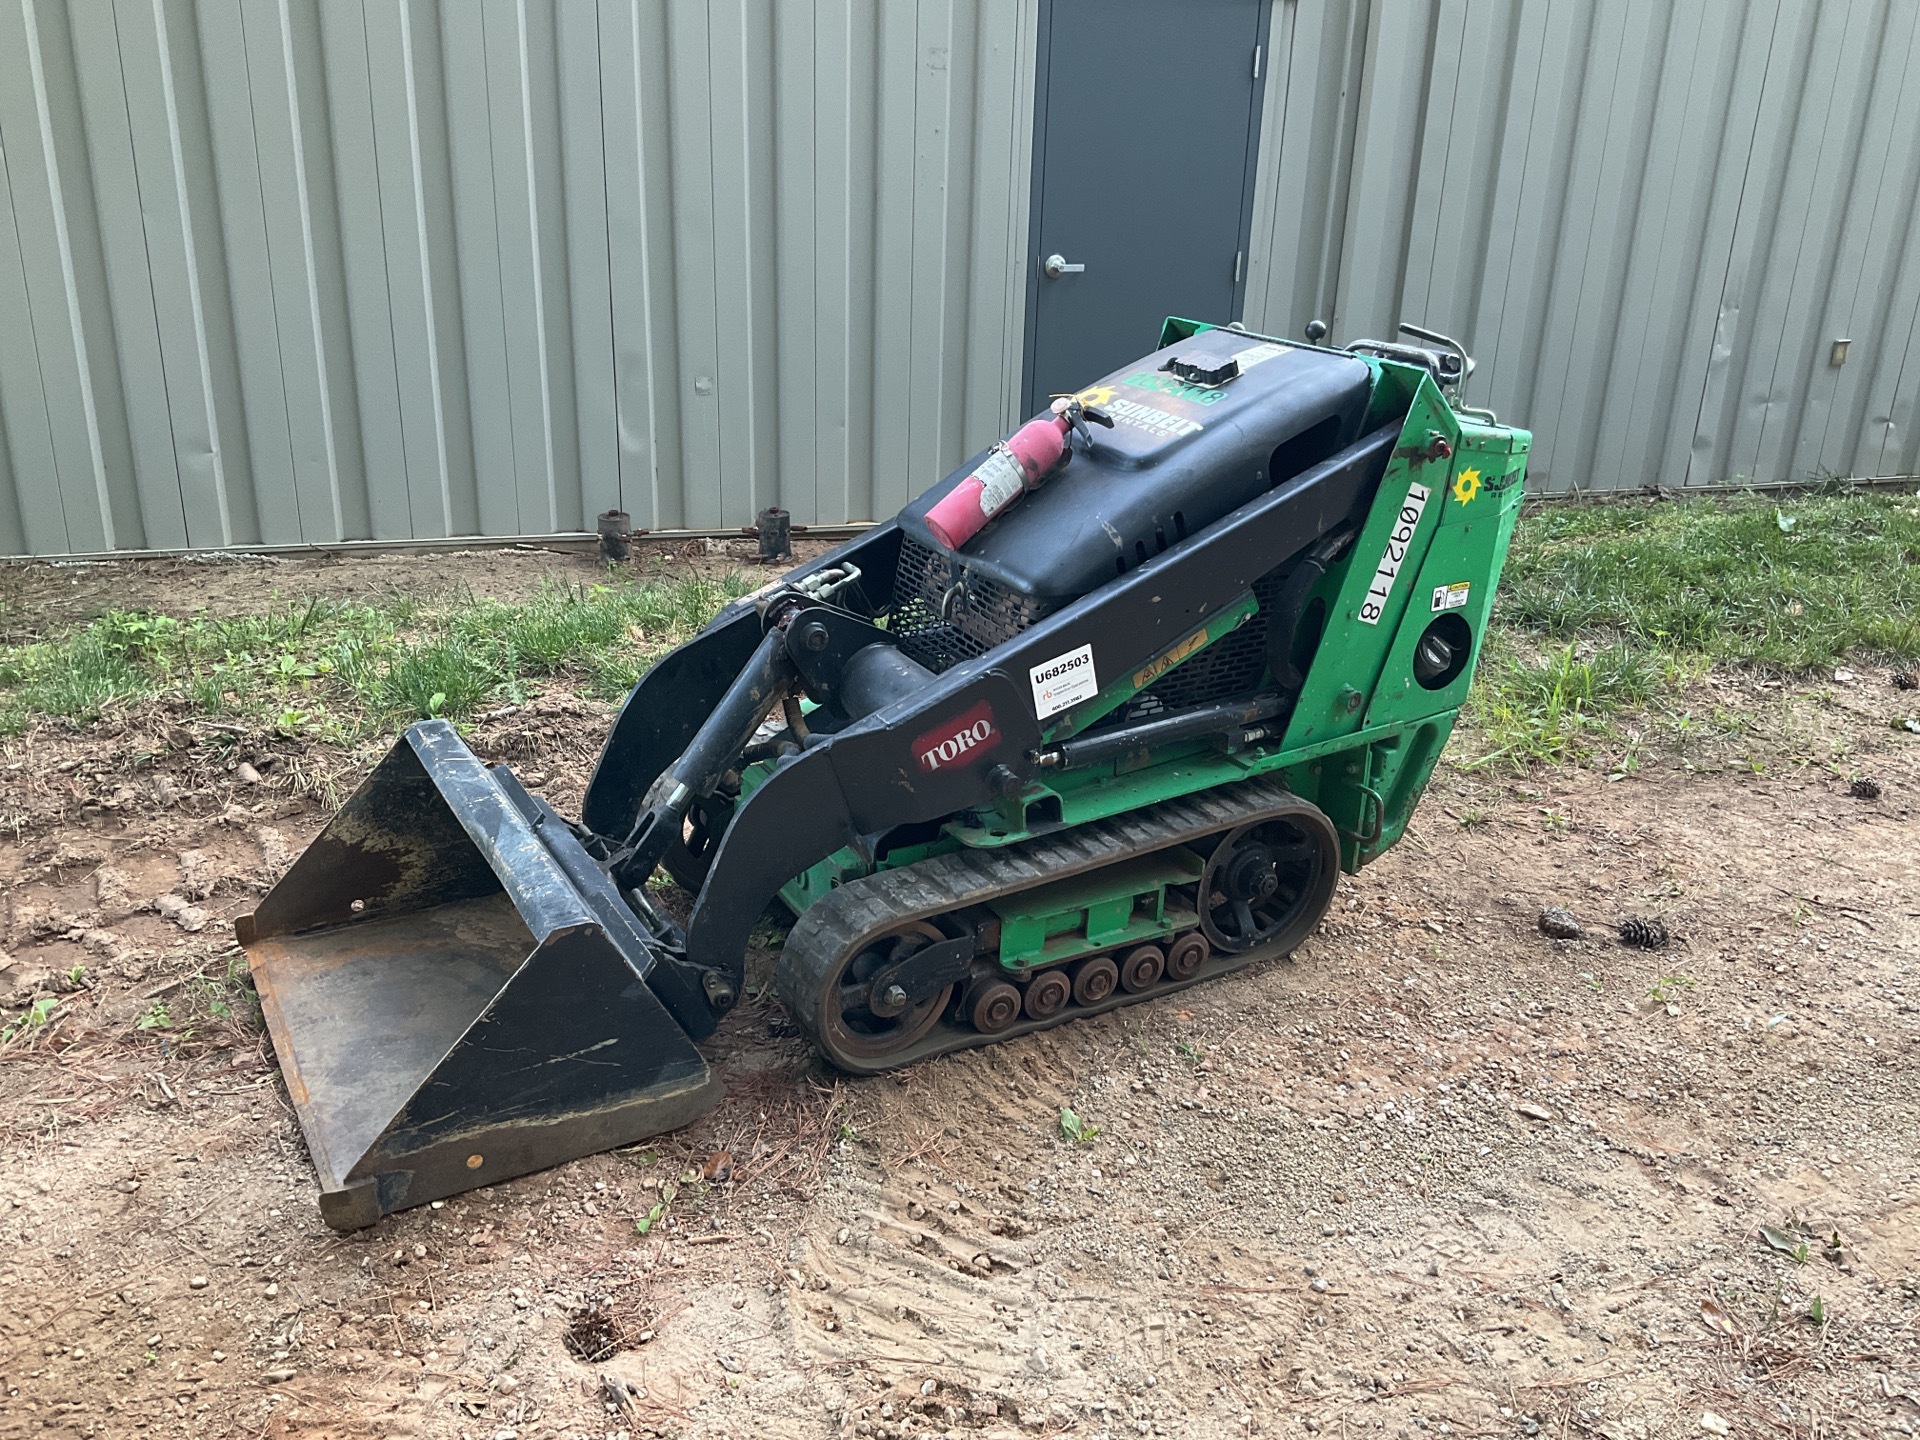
<point>1056,265</point>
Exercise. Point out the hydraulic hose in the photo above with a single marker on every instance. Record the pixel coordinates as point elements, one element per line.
<point>761,685</point>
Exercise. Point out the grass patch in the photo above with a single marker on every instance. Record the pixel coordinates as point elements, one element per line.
<point>1549,708</point>
<point>439,677</point>
<point>1788,583</point>
<point>338,670</point>
<point>1607,609</point>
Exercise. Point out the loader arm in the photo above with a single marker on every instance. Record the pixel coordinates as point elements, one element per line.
<point>665,709</point>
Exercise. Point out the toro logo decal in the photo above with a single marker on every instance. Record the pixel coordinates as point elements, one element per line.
<point>959,741</point>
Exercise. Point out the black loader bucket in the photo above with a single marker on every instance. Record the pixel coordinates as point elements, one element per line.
<point>456,991</point>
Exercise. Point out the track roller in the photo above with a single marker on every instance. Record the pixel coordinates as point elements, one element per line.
<point>993,1005</point>
<point>862,1023</point>
<point>1186,955</point>
<point>1094,979</point>
<point>1142,968</point>
<point>1047,994</point>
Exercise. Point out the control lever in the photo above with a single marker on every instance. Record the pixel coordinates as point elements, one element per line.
<point>1449,366</point>
<point>1434,337</point>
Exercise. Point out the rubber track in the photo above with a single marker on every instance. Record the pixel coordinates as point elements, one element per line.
<point>874,904</point>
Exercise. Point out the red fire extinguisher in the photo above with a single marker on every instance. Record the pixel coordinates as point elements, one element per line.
<point>1016,465</point>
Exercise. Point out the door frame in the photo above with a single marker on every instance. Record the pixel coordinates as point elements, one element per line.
<point>1037,173</point>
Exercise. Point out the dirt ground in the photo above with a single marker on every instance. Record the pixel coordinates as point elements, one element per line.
<point>1438,1174</point>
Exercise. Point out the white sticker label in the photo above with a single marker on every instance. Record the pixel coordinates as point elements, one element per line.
<point>1001,480</point>
<point>1250,358</point>
<point>1451,597</point>
<point>1062,681</point>
<point>1394,556</point>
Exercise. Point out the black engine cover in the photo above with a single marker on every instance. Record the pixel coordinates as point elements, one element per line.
<point>1180,456</point>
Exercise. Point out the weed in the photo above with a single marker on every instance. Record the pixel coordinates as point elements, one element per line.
<point>546,633</point>
<point>1790,1239</point>
<point>768,933</point>
<point>658,1211</point>
<point>440,679</point>
<point>77,976</point>
<point>1663,990</point>
<point>1632,599</point>
<point>332,671</point>
<point>157,1017</point>
<point>1073,1129</point>
<point>79,681</point>
<point>207,694</point>
<point>133,636</point>
<point>612,673</point>
<point>35,1017</point>
<point>227,998</point>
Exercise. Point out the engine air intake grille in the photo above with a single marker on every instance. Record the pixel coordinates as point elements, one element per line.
<point>941,617</point>
<point>1226,670</point>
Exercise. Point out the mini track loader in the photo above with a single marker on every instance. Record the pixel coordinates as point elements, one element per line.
<point>1110,733</point>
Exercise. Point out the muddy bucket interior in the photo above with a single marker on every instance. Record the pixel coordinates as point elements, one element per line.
<point>456,993</point>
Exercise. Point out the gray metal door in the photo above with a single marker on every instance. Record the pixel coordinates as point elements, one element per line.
<point>1147,116</point>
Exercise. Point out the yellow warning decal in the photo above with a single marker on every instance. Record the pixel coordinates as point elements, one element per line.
<point>1466,486</point>
<point>1154,669</point>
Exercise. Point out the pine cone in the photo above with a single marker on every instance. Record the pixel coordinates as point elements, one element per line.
<point>1906,678</point>
<point>1643,932</point>
<point>1864,787</point>
<point>1560,923</point>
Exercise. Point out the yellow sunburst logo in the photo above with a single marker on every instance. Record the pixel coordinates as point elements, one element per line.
<point>1466,485</point>
<point>1096,395</point>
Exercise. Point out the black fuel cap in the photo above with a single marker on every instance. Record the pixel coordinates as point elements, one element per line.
<point>1203,367</point>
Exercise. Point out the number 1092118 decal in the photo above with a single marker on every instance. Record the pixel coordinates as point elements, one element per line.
<point>1394,556</point>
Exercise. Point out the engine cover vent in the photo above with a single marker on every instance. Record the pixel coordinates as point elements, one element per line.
<point>942,616</point>
<point>1228,669</point>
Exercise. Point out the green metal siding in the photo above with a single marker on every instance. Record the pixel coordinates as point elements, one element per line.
<point>1648,220</point>
<point>285,271</point>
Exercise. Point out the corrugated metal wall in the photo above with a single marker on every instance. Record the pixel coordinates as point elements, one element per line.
<point>1648,219</point>
<point>289,271</point>
<point>305,270</point>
